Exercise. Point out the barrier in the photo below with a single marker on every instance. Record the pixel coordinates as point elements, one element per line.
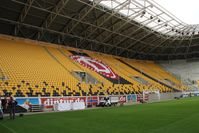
<point>92,101</point>
<point>26,103</point>
<point>69,106</point>
<point>75,103</point>
<point>70,103</point>
<point>122,99</point>
<point>78,105</point>
<point>49,102</point>
<point>62,106</point>
<point>36,108</point>
<point>132,98</point>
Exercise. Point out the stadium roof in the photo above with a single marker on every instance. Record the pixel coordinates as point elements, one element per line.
<point>150,14</point>
<point>131,28</point>
<point>187,11</point>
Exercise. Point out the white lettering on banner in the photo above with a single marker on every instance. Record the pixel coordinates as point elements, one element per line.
<point>52,101</point>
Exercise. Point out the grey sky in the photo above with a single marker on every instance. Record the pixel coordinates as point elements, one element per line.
<point>185,10</point>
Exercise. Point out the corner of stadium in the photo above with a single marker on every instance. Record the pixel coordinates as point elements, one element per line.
<point>103,66</point>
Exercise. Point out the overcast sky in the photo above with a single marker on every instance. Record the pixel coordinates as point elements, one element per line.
<point>185,10</point>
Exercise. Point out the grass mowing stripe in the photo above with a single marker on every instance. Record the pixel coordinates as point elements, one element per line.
<point>6,129</point>
<point>181,126</point>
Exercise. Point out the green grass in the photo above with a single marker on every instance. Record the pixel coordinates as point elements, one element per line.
<point>177,116</point>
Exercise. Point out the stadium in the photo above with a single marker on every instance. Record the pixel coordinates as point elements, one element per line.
<point>81,66</point>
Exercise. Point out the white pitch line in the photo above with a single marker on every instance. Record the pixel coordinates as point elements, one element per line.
<point>10,129</point>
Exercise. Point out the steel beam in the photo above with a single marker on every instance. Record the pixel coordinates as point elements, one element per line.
<point>23,14</point>
<point>114,11</point>
<point>81,17</point>
<point>52,16</point>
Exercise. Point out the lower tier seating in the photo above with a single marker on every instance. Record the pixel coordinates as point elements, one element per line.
<point>29,69</point>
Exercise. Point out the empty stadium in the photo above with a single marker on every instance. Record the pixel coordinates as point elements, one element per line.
<point>98,66</point>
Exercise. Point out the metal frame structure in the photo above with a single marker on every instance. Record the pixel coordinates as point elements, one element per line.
<point>130,28</point>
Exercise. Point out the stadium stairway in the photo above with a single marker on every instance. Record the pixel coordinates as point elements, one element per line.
<point>108,85</point>
<point>119,80</point>
<point>97,88</point>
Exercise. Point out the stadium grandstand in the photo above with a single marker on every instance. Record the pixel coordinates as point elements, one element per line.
<point>58,55</point>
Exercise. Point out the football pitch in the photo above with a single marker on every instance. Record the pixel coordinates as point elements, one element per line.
<point>176,116</point>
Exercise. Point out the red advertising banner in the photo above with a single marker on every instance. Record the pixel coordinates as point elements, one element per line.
<point>140,97</point>
<point>122,99</point>
<point>92,100</point>
<point>49,102</point>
